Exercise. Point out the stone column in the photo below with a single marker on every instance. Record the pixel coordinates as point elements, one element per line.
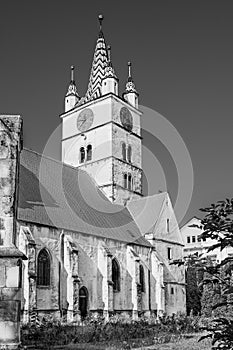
<point>110,284</point>
<point>32,280</point>
<point>10,256</point>
<point>76,283</point>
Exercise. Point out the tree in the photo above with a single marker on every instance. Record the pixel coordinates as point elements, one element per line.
<point>218,225</point>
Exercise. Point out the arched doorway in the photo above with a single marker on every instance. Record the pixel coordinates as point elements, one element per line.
<point>83,301</point>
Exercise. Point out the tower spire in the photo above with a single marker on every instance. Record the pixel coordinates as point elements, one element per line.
<point>72,96</point>
<point>130,94</point>
<point>99,63</point>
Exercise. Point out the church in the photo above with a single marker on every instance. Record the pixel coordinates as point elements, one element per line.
<point>82,222</point>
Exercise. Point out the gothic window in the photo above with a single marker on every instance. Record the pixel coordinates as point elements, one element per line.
<point>129,153</point>
<point>129,182</point>
<point>43,268</point>
<point>115,275</point>
<point>82,155</point>
<point>125,180</point>
<point>89,152</point>
<point>142,278</point>
<point>124,151</point>
<point>83,301</point>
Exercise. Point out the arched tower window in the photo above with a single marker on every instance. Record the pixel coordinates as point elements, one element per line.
<point>89,152</point>
<point>43,268</point>
<point>129,182</point>
<point>129,153</point>
<point>142,278</point>
<point>124,151</point>
<point>82,155</point>
<point>115,275</point>
<point>125,180</point>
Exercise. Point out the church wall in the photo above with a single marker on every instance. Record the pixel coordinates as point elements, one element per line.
<point>100,141</point>
<point>116,107</point>
<point>102,115</point>
<point>93,273</point>
<point>119,136</point>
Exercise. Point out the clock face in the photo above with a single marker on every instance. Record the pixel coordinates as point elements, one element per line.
<point>85,119</point>
<point>126,118</point>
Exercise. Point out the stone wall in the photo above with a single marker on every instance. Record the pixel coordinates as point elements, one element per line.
<point>80,260</point>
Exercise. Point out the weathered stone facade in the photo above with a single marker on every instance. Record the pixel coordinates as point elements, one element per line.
<point>10,256</point>
<point>81,261</point>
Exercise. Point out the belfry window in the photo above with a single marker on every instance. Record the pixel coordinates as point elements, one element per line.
<point>82,155</point>
<point>129,153</point>
<point>43,268</point>
<point>129,182</point>
<point>142,278</point>
<point>115,275</point>
<point>169,253</point>
<point>124,151</point>
<point>89,152</point>
<point>125,180</point>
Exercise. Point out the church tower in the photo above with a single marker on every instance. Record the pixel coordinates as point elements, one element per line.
<point>101,131</point>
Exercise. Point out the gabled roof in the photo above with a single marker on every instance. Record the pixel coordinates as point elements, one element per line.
<point>58,195</point>
<point>146,211</point>
<point>151,214</point>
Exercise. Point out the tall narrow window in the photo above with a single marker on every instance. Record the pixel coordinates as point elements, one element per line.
<point>82,155</point>
<point>169,253</point>
<point>129,182</point>
<point>124,151</point>
<point>125,180</point>
<point>89,152</point>
<point>115,275</point>
<point>168,226</point>
<point>43,268</point>
<point>129,153</point>
<point>142,278</point>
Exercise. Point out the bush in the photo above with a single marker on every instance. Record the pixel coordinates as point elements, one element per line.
<point>118,328</point>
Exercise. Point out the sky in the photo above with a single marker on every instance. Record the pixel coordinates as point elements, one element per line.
<point>182,56</point>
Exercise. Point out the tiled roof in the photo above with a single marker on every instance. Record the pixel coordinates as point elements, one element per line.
<point>57,195</point>
<point>99,64</point>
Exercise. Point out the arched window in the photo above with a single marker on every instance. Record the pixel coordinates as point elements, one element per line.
<point>124,151</point>
<point>129,153</point>
<point>142,278</point>
<point>89,152</point>
<point>82,155</point>
<point>115,275</point>
<point>83,301</point>
<point>129,182</point>
<point>43,268</point>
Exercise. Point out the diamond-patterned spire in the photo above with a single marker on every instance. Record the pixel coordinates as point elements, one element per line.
<point>99,63</point>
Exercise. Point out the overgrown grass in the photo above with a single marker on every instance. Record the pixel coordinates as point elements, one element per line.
<point>118,332</point>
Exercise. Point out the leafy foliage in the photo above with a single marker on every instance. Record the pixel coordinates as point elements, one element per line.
<point>217,284</point>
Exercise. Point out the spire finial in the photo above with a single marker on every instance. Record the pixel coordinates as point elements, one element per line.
<point>129,71</point>
<point>72,73</point>
<point>100,17</point>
